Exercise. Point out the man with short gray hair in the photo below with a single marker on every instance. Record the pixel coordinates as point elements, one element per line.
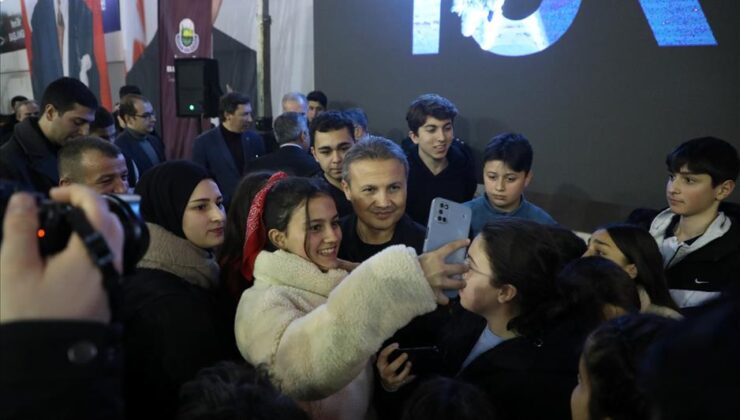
<point>295,102</point>
<point>291,133</point>
<point>374,178</point>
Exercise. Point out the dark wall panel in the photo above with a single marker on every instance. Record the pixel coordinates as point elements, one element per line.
<point>602,106</point>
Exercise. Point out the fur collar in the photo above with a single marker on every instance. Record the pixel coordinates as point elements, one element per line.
<point>170,253</point>
<point>283,268</point>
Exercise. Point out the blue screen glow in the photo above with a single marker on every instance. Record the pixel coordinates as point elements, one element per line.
<point>673,22</point>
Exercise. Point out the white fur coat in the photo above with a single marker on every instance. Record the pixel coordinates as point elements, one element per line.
<point>315,332</point>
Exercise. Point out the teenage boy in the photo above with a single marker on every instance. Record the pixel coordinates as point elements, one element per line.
<point>331,137</point>
<point>374,178</point>
<point>507,171</point>
<point>698,235</point>
<point>437,167</point>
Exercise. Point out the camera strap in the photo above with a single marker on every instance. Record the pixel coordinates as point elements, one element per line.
<point>101,256</point>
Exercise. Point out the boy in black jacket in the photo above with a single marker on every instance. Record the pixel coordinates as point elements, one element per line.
<point>698,235</point>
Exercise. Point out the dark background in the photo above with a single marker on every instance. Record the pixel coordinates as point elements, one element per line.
<point>602,106</point>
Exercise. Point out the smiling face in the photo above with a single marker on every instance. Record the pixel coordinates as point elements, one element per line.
<point>104,174</point>
<point>203,220</point>
<point>377,190</point>
<point>434,138</point>
<point>240,120</point>
<point>316,240</point>
<point>504,186</point>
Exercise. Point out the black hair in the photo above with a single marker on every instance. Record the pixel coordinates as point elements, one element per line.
<point>612,356</point>
<point>569,246</point>
<point>640,249</point>
<point>286,196</point>
<point>523,254</point>
<point>231,251</point>
<point>103,119</point>
<point>691,371</point>
<point>15,99</point>
<point>358,117</point>
<point>65,92</point>
<point>331,121</point>
<point>317,96</point>
<point>235,391</point>
<point>706,155</point>
<point>128,104</point>
<point>429,105</point>
<point>230,102</point>
<point>511,148</point>
<point>128,90</point>
<point>446,398</point>
<point>589,284</point>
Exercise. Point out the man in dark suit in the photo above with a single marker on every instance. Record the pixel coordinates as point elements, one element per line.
<point>30,156</point>
<point>228,149</point>
<point>291,133</point>
<point>62,34</point>
<point>136,141</point>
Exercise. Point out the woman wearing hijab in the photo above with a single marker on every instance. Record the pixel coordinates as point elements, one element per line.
<point>172,321</point>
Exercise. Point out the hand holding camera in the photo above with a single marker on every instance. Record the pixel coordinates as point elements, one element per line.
<point>68,284</point>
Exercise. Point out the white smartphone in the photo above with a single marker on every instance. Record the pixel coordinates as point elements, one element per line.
<point>448,221</point>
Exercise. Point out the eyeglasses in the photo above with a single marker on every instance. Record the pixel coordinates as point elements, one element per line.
<point>146,115</point>
<point>468,262</point>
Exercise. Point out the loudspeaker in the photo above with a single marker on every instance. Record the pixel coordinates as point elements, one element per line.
<point>197,88</point>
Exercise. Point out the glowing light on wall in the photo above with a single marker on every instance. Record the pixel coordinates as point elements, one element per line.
<point>673,22</point>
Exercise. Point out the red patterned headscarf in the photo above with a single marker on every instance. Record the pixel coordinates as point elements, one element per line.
<point>256,236</point>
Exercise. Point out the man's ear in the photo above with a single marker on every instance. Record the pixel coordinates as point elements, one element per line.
<point>507,293</point>
<point>345,188</point>
<point>414,137</point>
<point>49,112</point>
<point>277,238</point>
<point>724,190</point>
<point>313,153</point>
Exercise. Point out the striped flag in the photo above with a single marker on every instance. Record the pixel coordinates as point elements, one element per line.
<point>133,30</point>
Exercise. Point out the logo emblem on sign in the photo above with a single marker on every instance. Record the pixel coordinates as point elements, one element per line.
<point>187,40</point>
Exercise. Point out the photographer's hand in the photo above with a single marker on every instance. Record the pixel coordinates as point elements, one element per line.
<point>67,285</point>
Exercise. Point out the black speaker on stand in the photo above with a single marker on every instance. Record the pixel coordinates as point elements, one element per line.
<point>197,87</point>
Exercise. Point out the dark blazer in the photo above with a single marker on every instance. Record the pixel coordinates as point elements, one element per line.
<point>210,151</point>
<point>128,142</point>
<point>291,159</point>
<point>29,158</point>
<point>47,61</point>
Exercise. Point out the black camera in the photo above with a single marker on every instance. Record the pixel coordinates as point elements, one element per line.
<point>56,226</point>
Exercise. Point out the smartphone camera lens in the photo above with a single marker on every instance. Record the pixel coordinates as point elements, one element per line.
<point>444,219</point>
<point>441,212</point>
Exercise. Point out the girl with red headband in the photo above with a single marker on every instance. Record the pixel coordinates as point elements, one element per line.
<point>309,322</point>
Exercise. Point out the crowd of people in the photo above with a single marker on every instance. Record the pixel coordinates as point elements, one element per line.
<point>283,275</point>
